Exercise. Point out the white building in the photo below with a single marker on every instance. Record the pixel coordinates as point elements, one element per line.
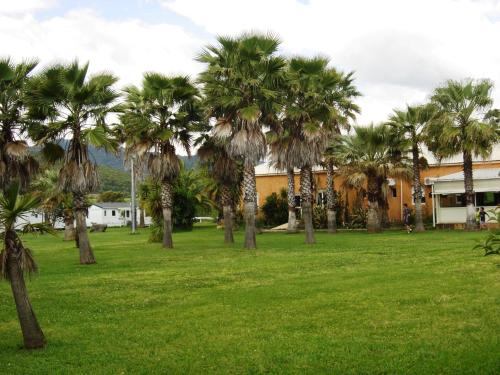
<point>449,194</point>
<point>113,214</point>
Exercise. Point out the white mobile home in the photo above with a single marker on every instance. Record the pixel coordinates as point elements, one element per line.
<point>448,194</point>
<point>113,214</point>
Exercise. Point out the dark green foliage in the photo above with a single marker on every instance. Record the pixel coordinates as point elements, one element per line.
<point>111,196</point>
<point>275,209</point>
<point>189,198</point>
<point>358,218</point>
<point>490,245</point>
<point>113,179</point>
<point>319,217</point>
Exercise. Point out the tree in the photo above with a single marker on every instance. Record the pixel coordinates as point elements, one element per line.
<point>465,125</point>
<point>15,259</point>
<point>411,125</point>
<point>158,116</point>
<point>15,161</point>
<point>367,158</point>
<point>317,103</point>
<point>275,208</point>
<point>240,83</point>
<point>227,174</point>
<point>111,196</point>
<point>54,203</point>
<point>74,106</point>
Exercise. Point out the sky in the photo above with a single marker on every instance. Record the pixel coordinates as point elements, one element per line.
<point>399,50</point>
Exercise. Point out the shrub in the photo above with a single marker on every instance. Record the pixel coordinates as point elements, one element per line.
<point>320,220</point>
<point>275,209</point>
<point>358,218</point>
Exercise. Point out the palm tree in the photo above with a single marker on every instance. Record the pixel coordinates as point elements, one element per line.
<point>331,161</point>
<point>318,103</point>
<point>75,106</point>
<point>157,117</point>
<point>227,174</point>
<point>15,259</point>
<point>367,158</point>
<point>465,125</point>
<point>15,161</point>
<point>240,84</point>
<point>411,124</point>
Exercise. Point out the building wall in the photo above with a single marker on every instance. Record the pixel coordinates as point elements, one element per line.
<point>267,184</point>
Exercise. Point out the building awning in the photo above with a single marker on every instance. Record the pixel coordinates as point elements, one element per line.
<point>484,180</point>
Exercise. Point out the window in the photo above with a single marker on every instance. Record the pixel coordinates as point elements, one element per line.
<point>113,213</point>
<point>104,212</point>
<point>394,192</point>
<point>488,198</point>
<point>452,200</point>
<point>321,198</point>
<point>128,213</point>
<point>422,199</point>
<point>35,216</point>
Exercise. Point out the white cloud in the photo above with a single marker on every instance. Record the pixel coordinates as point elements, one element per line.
<point>23,6</point>
<point>126,48</point>
<point>400,49</point>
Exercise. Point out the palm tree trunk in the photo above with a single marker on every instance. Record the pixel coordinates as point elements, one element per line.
<point>470,223</point>
<point>306,204</point>
<point>69,226</point>
<point>292,217</point>
<point>141,218</point>
<point>228,214</point>
<point>249,198</point>
<point>86,254</point>
<point>373,223</point>
<point>417,188</point>
<point>330,199</point>
<point>32,333</point>
<point>167,203</point>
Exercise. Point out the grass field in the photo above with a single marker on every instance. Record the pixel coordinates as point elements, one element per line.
<point>353,303</point>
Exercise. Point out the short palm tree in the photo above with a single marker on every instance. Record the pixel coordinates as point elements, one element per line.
<point>75,106</point>
<point>45,186</point>
<point>465,125</point>
<point>15,161</point>
<point>16,260</point>
<point>317,103</point>
<point>240,83</point>
<point>367,158</point>
<point>227,174</point>
<point>411,125</point>
<point>157,117</point>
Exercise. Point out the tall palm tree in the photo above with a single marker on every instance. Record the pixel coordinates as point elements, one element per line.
<point>411,124</point>
<point>367,158</point>
<point>317,104</point>
<point>331,161</point>
<point>240,83</point>
<point>464,125</point>
<point>226,172</point>
<point>75,106</point>
<point>15,259</point>
<point>15,161</point>
<point>157,117</point>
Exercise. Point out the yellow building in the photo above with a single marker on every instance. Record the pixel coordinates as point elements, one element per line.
<point>442,184</point>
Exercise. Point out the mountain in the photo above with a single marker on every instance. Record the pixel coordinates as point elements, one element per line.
<point>113,173</point>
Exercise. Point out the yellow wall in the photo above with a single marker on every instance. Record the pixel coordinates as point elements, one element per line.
<point>268,184</point>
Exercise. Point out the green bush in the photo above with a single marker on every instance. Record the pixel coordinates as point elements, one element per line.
<point>319,219</point>
<point>275,209</point>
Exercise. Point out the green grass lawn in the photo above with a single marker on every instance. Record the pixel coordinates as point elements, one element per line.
<point>353,303</point>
